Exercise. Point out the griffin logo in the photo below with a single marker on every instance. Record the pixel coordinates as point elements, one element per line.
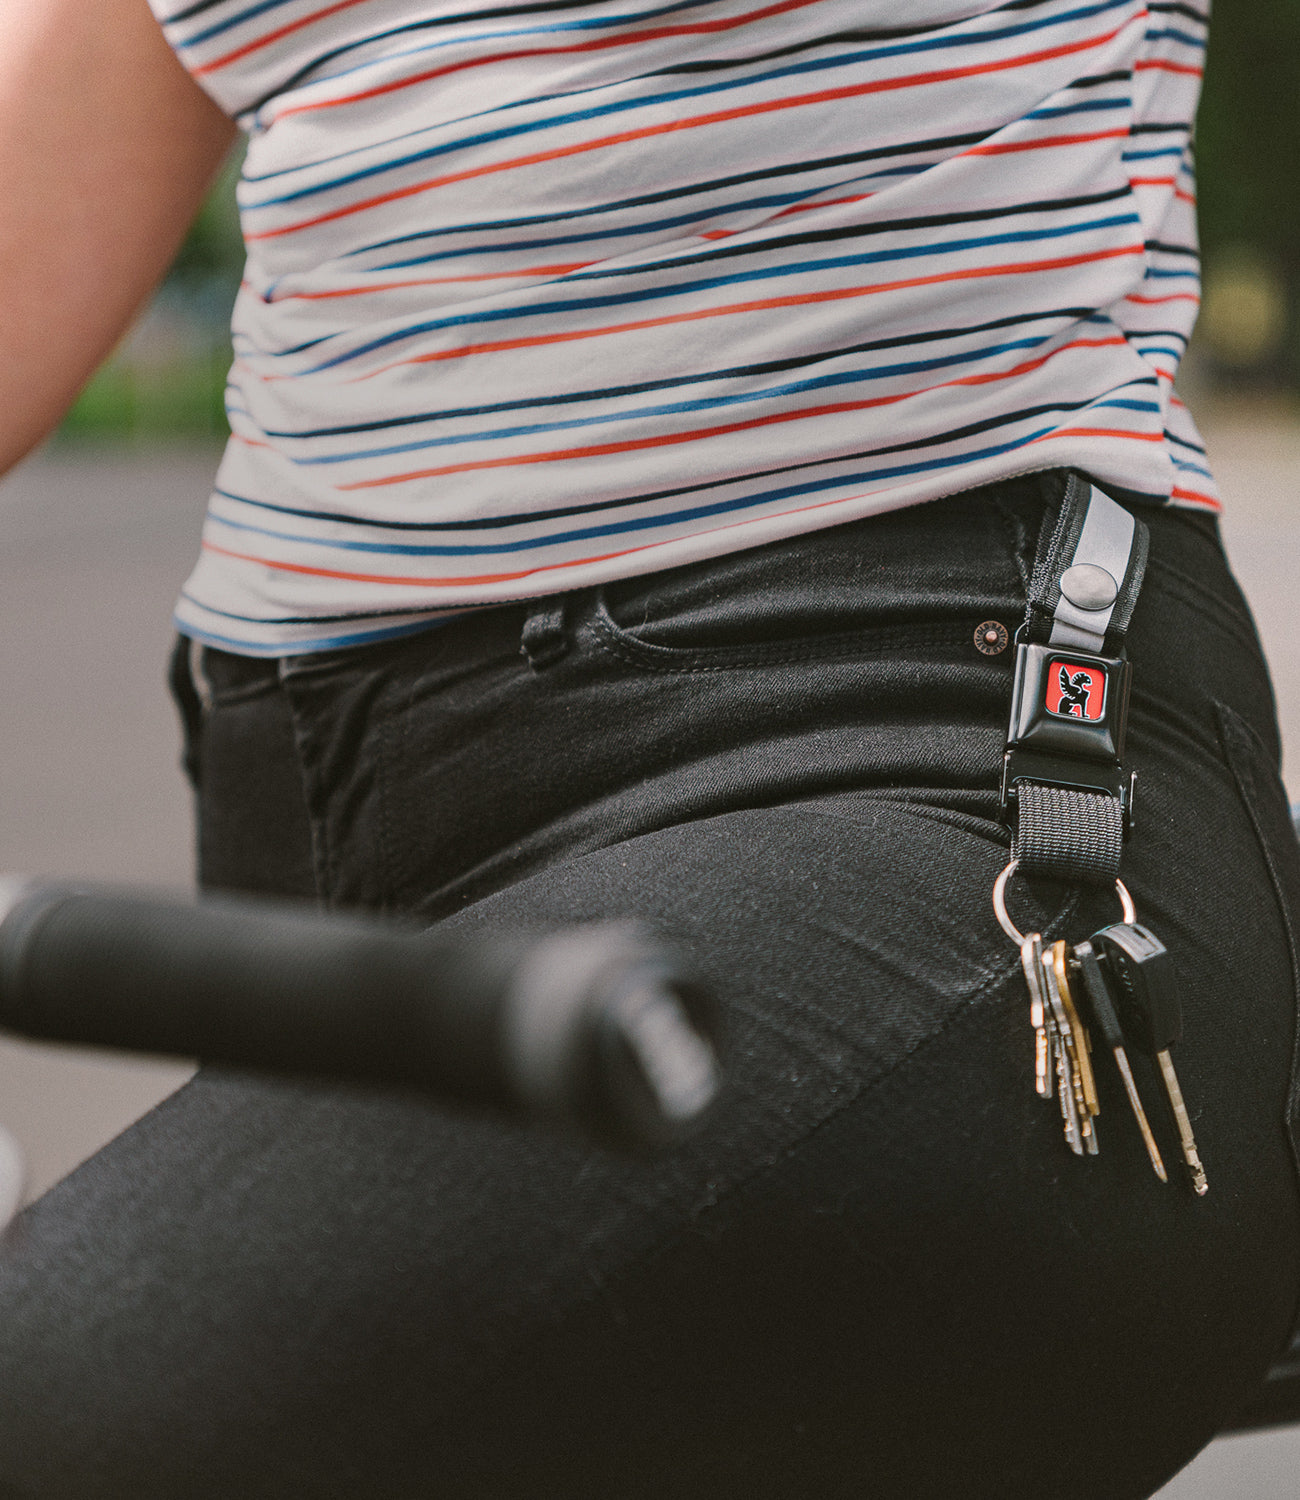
<point>1075,692</point>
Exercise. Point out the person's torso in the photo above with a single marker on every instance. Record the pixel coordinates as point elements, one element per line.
<point>543,294</point>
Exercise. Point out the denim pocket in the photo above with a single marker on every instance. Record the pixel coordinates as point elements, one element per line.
<point>925,576</point>
<point>812,646</point>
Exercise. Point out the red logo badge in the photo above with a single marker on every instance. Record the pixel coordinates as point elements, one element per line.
<point>1075,692</point>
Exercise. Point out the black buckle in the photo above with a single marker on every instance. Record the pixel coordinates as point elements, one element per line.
<point>1069,713</point>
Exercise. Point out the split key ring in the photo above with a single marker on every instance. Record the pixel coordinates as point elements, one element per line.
<point>1010,928</point>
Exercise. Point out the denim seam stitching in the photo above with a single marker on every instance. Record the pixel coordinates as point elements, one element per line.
<point>642,655</point>
<point>321,844</point>
<point>1240,740</point>
<point>1237,735</point>
<point>1016,537</point>
<point>392,744</point>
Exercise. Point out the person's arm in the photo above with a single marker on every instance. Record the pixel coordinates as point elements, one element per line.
<point>107,147</point>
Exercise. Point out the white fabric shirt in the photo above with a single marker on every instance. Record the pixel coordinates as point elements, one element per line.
<point>543,294</point>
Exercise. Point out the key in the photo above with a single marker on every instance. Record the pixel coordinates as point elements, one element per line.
<point>1079,1075</point>
<point>1053,1073</point>
<point>1085,1086</point>
<point>1031,960</point>
<point>1087,1080</point>
<point>1093,986</point>
<point>1145,990</point>
<point>1069,1090</point>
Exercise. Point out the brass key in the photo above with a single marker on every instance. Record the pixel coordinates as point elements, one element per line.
<point>1087,1080</point>
<point>1069,1089</point>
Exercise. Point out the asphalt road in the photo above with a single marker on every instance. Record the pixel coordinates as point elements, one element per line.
<point>92,550</point>
<point>91,554</point>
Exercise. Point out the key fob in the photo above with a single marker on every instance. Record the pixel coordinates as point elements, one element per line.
<point>1094,985</point>
<point>1142,983</point>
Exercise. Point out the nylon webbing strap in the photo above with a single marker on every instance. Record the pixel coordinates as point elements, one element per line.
<point>1066,835</point>
<point>1089,567</point>
<point>1090,540</point>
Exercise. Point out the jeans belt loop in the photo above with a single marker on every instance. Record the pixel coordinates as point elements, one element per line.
<point>543,639</point>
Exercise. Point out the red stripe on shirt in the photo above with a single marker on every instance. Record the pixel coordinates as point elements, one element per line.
<point>1197,498</point>
<point>1167,67</point>
<point>396,286</point>
<point>1001,148</point>
<point>1104,432</point>
<point>432,583</point>
<point>273,36</point>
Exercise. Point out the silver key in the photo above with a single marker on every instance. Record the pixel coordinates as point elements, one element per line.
<point>1031,960</point>
<point>1093,983</point>
<point>1146,993</point>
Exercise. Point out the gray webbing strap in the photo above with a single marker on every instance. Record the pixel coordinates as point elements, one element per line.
<point>1087,574</point>
<point>1100,564</point>
<point>1086,578</point>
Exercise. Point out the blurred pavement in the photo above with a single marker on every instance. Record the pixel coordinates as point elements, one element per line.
<point>92,551</point>
<point>1255,454</point>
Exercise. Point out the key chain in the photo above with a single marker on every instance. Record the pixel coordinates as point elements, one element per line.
<point>1069,803</point>
<point>1062,1045</point>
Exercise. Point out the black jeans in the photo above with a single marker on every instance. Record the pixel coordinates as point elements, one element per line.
<point>878,1271</point>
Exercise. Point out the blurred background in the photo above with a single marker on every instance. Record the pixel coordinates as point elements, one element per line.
<point>98,530</point>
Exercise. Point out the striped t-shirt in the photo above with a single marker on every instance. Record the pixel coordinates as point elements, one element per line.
<point>543,294</point>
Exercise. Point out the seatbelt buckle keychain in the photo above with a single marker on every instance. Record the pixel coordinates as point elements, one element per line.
<point>1069,712</point>
<point>1068,798</point>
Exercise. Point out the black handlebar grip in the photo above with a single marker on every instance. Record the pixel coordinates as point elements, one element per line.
<point>598,1025</point>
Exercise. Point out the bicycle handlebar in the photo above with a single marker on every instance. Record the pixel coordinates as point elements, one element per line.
<point>597,1026</point>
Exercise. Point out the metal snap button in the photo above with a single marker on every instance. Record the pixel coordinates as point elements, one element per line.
<point>1089,587</point>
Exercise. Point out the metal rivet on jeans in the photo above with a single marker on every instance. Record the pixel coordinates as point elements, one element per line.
<point>991,638</point>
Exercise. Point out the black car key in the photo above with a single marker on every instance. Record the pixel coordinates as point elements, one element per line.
<point>1092,984</point>
<point>1146,994</point>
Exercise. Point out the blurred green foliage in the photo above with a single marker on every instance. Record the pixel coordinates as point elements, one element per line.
<point>182,401</point>
<point>213,251</point>
<point>1248,164</point>
<point>168,377</point>
<point>1248,130</point>
<point>166,381</point>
